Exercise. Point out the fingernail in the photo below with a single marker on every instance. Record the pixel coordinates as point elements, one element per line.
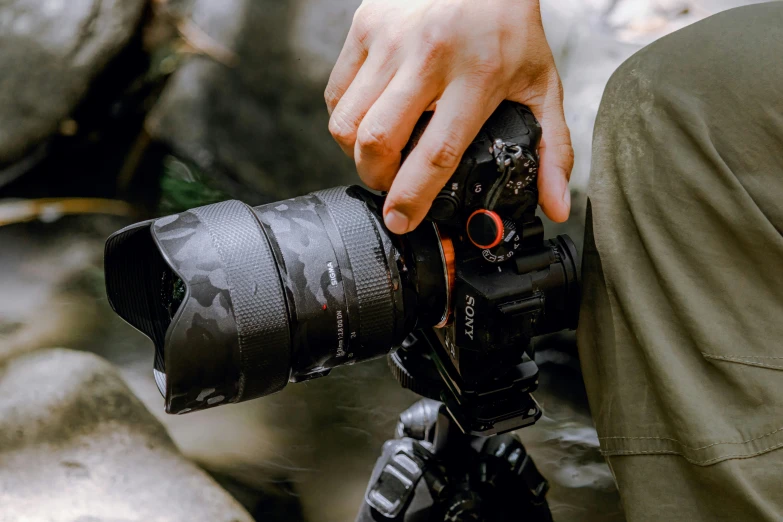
<point>396,222</point>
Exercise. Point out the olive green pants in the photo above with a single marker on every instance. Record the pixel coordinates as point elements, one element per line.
<point>681,329</point>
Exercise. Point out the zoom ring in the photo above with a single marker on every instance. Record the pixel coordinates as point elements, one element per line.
<point>369,265</point>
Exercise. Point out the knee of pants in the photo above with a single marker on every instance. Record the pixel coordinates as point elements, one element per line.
<point>712,85</point>
<point>681,306</point>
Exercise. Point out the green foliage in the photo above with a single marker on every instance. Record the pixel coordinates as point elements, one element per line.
<point>183,186</point>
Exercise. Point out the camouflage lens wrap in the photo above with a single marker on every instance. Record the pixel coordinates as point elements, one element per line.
<point>371,256</point>
<point>280,292</point>
<point>342,284</point>
<point>315,280</point>
<point>230,339</point>
<point>257,294</point>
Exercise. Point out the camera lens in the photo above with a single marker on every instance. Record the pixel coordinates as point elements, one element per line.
<point>240,300</point>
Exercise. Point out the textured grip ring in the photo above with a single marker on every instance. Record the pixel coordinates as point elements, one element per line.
<point>261,317</point>
<point>369,265</point>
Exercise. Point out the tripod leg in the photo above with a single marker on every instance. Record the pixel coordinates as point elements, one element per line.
<point>432,472</point>
<point>395,484</point>
<point>396,492</point>
<point>519,488</point>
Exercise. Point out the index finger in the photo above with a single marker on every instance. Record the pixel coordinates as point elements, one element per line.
<point>458,118</point>
<point>352,57</point>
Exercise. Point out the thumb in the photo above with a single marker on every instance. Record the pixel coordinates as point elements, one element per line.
<point>555,151</point>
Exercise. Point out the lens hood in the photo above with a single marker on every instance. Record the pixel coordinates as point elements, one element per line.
<point>229,340</point>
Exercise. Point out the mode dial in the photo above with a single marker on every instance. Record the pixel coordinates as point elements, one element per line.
<point>497,238</point>
<point>485,229</point>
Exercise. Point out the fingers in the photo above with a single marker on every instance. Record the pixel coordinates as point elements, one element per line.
<point>352,57</point>
<point>387,126</point>
<point>459,115</point>
<point>374,103</point>
<point>556,154</point>
<point>557,160</point>
<point>370,82</point>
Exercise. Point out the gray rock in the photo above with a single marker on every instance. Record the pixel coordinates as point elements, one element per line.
<point>318,32</point>
<point>51,51</point>
<point>259,125</point>
<point>76,445</point>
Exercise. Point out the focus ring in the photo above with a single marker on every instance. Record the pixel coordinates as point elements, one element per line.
<point>369,266</point>
<point>260,320</point>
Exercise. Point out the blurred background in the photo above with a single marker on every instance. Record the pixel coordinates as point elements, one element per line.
<point>113,111</point>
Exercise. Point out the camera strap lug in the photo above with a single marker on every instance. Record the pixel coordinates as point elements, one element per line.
<point>507,157</point>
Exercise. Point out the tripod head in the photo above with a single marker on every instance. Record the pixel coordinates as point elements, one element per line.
<point>499,404</point>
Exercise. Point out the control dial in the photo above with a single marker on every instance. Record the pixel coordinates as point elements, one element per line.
<point>497,238</point>
<point>445,205</point>
<point>528,174</point>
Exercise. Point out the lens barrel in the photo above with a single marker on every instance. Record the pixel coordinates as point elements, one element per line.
<point>280,292</point>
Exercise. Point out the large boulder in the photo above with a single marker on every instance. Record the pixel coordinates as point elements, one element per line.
<point>76,445</point>
<point>51,52</point>
<point>243,110</point>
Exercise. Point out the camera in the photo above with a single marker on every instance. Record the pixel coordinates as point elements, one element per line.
<point>241,300</point>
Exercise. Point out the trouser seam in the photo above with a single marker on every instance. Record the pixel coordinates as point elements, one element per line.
<point>614,453</point>
<point>747,360</point>
<point>692,447</point>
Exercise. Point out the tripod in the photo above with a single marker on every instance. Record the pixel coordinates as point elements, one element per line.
<point>431,471</point>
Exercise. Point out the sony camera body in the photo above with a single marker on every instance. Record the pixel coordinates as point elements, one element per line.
<point>508,285</point>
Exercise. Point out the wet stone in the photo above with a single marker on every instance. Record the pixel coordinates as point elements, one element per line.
<point>75,444</point>
<point>51,52</point>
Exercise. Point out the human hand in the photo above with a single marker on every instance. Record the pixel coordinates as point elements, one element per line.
<point>462,57</point>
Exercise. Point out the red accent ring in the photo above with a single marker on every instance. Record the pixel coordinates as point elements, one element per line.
<point>498,223</point>
<point>447,246</point>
